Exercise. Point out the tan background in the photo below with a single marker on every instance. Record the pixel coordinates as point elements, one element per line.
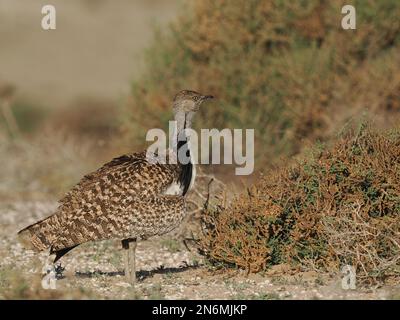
<point>96,50</point>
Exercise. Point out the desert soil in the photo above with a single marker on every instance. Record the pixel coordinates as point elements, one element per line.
<point>166,269</point>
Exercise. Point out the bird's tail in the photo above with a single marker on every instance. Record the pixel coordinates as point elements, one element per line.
<point>37,236</point>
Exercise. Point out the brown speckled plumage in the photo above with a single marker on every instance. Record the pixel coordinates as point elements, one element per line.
<point>124,199</point>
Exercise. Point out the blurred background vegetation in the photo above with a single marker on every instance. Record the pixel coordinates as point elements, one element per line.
<point>62,91</point>
<point>285,68</point>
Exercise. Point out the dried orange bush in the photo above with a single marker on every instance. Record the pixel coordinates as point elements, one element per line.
<point>337,206</point>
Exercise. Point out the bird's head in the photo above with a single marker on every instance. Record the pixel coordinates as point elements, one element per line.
<point>187,103</point>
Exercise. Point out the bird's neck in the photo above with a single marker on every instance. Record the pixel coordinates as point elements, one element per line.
<point>180,138</point>
<point>181,148</point>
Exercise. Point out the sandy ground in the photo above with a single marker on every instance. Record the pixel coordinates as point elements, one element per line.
<point>96,49</point>
<point>166,269</point>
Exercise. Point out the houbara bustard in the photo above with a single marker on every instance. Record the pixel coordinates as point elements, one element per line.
<point>129,198</point>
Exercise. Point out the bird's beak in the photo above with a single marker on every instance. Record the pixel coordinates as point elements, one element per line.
<point>207,97</point>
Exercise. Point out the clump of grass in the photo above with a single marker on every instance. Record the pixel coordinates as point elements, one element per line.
<point>154,292</point>
<point>285,68</point>
<point>29,117</point>
<point>172,245</point>
<point>259,296</point>
<point>337,206</point>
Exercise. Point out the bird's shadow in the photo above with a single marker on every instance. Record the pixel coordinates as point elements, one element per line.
<point>141,275</point>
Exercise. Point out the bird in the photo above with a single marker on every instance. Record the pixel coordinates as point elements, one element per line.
<point>133,197</point>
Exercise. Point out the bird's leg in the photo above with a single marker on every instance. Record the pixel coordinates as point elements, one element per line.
<point>130,264</point>
<point>133,262</point>
<point>49,278</point>
<point>125,246</point>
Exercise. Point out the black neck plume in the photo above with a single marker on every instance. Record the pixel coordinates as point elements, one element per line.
<point>186,173</point>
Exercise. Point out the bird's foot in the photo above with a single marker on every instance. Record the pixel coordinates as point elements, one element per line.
<point>130,278</point>
<point>51,272</point>
<point>49,279</point>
